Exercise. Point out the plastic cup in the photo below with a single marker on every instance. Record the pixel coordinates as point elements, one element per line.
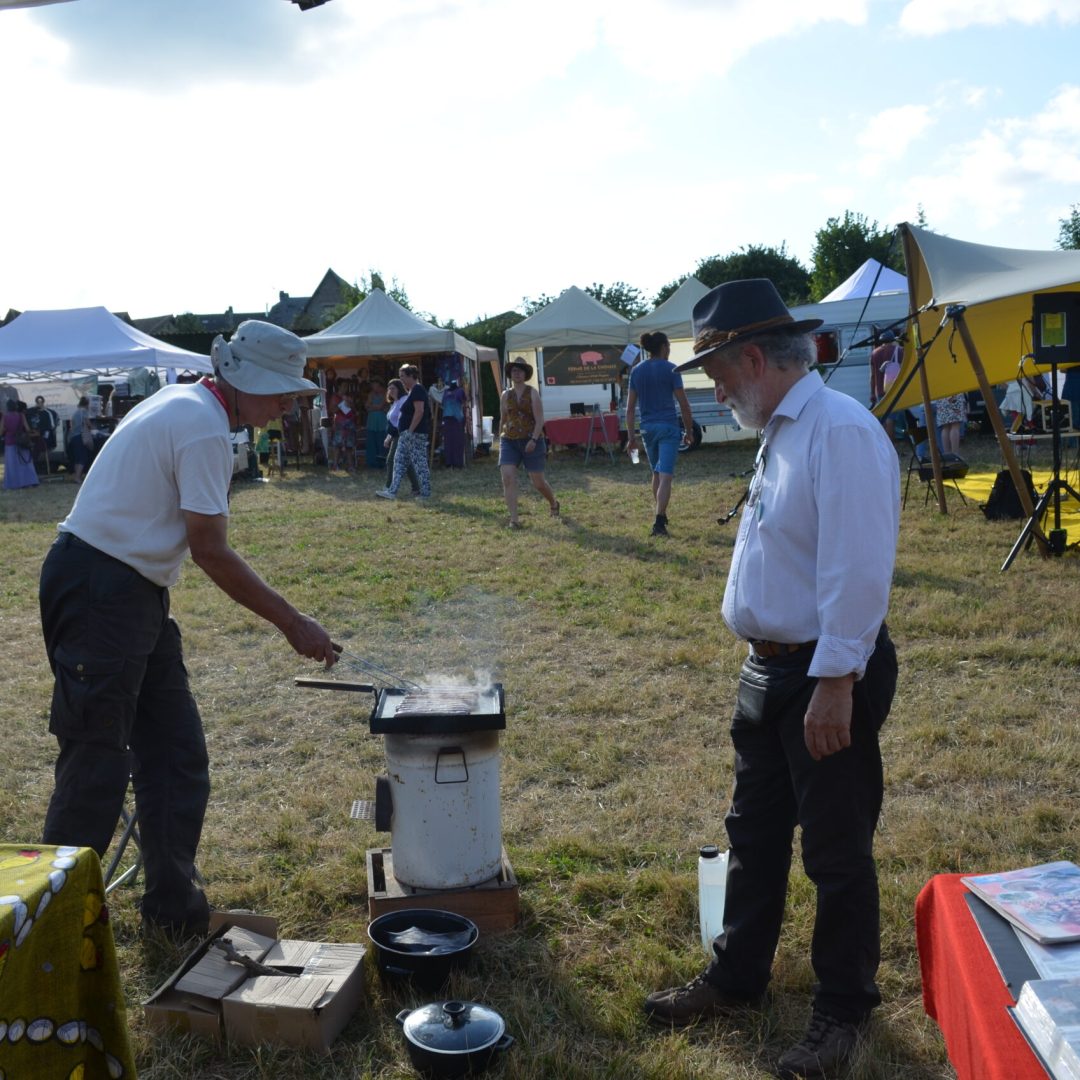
<point>635,456</point>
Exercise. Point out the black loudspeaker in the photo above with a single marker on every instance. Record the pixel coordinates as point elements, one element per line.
<point>1056,320</point>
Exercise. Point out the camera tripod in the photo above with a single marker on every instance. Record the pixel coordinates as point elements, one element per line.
<point>1056,538</point>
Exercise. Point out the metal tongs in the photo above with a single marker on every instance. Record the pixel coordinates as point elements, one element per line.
<point>368,669</point>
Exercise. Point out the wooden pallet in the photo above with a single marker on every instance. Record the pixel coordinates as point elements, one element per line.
<point>493,905</point>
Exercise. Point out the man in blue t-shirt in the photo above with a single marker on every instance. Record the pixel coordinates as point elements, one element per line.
<point>657,384</point>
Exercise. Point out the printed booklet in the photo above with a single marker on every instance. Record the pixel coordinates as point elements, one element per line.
<point>1043,901</point>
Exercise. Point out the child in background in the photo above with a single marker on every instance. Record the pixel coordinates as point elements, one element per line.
<point>345,434</point>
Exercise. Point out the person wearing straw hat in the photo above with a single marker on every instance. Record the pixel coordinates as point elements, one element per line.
<point>521,439</point>
<point>121,706</point>
<point>819,674</point>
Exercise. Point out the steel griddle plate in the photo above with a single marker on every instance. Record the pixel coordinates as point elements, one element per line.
<point>438,710</point>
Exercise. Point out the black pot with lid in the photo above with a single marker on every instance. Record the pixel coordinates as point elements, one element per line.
<point>453,1038</point>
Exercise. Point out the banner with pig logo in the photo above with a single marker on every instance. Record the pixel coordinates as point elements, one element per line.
<point>581,365</point>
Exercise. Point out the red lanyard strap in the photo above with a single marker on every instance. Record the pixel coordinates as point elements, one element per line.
<point>216,391</point>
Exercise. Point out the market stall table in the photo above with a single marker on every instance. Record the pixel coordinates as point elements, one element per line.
<point>61,1007</point>
<point>589,431</point>
<point>964,991</point>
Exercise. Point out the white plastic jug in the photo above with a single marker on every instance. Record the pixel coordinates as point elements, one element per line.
<point>712,885</point>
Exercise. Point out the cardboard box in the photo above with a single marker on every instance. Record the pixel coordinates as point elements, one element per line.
<point>212,996</point>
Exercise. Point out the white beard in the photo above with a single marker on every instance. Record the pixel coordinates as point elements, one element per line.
<point>749,408</point>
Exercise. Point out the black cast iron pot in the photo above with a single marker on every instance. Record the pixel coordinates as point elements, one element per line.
<point>427,970</point>
<point>453,1038</point>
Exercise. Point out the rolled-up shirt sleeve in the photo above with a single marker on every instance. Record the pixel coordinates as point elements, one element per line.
<point>857,490</point>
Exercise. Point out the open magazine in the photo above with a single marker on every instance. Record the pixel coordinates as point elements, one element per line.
<point>1043,901</point>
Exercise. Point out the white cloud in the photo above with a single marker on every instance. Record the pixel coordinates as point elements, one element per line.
<point>886,136</point>
<point>1010,164</point>
<point>925,17</point>
<point>683,40</point>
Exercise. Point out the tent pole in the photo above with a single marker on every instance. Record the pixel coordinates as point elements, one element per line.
<point>911,252</point>
<point>994,413</point>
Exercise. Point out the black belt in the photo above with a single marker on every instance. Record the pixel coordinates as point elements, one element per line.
<point>768,650</point>
<point>69,539</point>
<point>66,539</point>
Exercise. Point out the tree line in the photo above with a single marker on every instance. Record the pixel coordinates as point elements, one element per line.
<point>841,246</point>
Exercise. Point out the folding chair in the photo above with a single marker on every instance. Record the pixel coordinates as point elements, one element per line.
<point>129,834</point>
<point>953,468</point>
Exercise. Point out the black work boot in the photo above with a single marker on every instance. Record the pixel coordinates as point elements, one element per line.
<point>660,526</point>
<point>826,1046</point>
<point>696,1000</point>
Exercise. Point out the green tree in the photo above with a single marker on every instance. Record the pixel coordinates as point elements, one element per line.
<point>1069,233</point>
<point>625,299</point>
<point>189,323</point>
<point>667,290</point>
<point>791,278</point>
<point>842,245</point>
<point>531,306</point>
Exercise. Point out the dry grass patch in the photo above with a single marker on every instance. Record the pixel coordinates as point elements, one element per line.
<point>619,678</point>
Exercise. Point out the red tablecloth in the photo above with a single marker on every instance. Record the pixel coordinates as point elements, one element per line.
<point>963,989</point>
<point>574,430</point>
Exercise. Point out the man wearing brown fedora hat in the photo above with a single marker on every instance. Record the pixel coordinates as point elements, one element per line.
<point>121,706</point>
<point>818,679</point>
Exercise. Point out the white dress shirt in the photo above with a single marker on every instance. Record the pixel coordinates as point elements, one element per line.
<point>814,556</point>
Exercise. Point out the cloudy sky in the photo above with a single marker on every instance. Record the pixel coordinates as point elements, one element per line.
<point>189,155</point>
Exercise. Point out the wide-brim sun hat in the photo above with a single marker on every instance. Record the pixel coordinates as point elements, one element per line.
<point>738,310</point>
<point>523,364</point>
<point>262,358</point>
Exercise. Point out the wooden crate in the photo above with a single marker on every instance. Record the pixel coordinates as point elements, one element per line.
<point>493,905</point>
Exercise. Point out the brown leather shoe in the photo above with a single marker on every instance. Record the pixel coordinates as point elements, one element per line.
<point>826,1046</point>
<point>697,1000</point>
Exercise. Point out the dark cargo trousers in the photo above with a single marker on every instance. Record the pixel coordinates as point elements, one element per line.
<point>835,802</point>
<point>122,707</point>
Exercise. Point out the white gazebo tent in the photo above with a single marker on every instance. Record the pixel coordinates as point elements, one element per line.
<point>84,340</point>
<point>52,348</point>
<point>575,318</point>
<point>379,327</point>
<point>871,279</point>
<point>674,317</point>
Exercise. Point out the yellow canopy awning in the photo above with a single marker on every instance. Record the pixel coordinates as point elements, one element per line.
<point>995,287</point>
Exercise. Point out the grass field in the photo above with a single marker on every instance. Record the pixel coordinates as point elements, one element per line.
<point>619,677</point>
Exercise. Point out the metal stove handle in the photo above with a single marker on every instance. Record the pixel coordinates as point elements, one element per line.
<point>333,684</point>
<point>464,765</point>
